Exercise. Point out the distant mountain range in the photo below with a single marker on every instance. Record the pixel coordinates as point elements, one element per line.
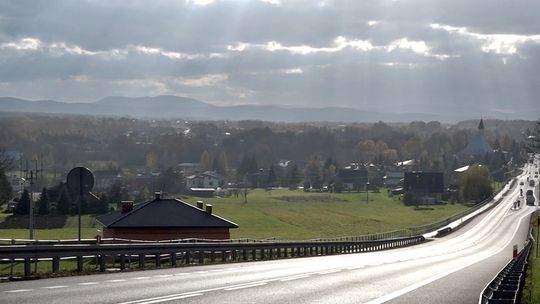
<point>167,107</point>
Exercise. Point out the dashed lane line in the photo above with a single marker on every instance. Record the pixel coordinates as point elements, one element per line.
<point>18,290</point>
<point>295,278</point>
<point>88,283</point>
<point>55,287</point>
<point>246,286</point>
<point>116,281</point>
<point>173,298</point>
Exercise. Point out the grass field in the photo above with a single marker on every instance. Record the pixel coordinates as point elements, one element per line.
<point>286,214</point>
<point>531,292</point>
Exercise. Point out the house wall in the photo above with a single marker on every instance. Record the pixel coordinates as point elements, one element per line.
<point>159,234</point>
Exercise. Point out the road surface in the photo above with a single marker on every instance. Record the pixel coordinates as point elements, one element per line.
<point>452,269</point>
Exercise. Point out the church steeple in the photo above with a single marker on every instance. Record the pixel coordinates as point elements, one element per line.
<point>481,125</point>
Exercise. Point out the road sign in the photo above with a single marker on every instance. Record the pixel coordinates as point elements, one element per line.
<point>80,180</point>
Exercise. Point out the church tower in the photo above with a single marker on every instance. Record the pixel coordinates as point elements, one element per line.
<point>478,145</point>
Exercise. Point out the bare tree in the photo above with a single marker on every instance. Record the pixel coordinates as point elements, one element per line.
<point>5,160</point>
<point>533,143</point>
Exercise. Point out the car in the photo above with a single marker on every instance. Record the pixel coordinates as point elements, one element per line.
<point>530,198</point>
<point>521,183</point>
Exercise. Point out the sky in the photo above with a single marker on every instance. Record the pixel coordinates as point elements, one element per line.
<point>378,55</point>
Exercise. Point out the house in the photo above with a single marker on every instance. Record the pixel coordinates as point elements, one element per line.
<point>352,177</point>
<point>164,219</point>
<point>424,187</point>
<point>207,179</point>
<point>189,168</point>
<point>393,179</point>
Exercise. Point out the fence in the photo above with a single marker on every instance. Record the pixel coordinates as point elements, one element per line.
<point>137,254</point>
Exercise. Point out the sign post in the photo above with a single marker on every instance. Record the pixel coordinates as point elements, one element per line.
<point>81,181</point>
<point>537,233</point>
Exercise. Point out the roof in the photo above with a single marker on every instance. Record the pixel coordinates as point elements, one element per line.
<point>160,213</point>
<point>462,169</point>
<point>478,145</point>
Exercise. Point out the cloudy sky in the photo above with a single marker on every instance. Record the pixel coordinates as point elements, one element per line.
<point>395,55</point>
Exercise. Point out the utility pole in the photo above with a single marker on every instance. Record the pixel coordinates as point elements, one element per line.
<point>32,180</point>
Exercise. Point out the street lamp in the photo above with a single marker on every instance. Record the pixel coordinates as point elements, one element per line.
<point>367,191</point>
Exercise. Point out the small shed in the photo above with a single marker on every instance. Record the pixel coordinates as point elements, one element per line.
<point>164,219</point>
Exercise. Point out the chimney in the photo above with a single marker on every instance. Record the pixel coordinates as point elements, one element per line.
<point>127,206</point>
<point>200,205</point>
<point>208,208</point>
<point>157,195</point>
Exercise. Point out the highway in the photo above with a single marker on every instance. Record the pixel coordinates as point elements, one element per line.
<point>452,269</point>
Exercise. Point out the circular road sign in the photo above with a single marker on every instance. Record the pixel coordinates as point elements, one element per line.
<point>80,180</point>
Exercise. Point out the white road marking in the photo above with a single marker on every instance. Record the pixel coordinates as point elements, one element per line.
<point>18,290</point>
<point>140,278</point>
<point>216,270</point>
<point>295,278</point>
<point>88,283</point>
<point>173,298</point>
<point>181,273</point>
<point>163,276</point>
<point>116,281</point>
<point>55,287</point>
<point>201,272</point>
<point>334,271</point>
<point>246,286</point>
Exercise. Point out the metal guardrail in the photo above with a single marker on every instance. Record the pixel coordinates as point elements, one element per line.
<point>507,286</point>
<point>133,255</point>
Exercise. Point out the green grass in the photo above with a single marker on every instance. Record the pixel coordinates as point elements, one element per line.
<point>321,215</point>
<point>294,215</point>
<point>531,291</point>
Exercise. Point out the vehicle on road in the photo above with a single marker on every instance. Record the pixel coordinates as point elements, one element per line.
<point>521,183</point>
<point>531,182</point>
<point>530,198</point>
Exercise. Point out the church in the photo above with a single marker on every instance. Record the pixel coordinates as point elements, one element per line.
<point>478,145</point>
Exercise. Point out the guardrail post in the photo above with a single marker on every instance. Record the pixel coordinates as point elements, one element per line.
<point>212,256</point>
<point>188,257</point>
<point>141,261</point>
<point>27,267</point>
<point>278,253</point>
<point>158,259</point>
<point>253,254</point>
<point>173,259</point>
<point>244,254</point>
<point>79,263</point>
<point>201,257</point>
<point>262,254</point>
<point>102,263</point>
<point>55,264</point>
<point>122,261</point>
<point>223,255</point>
<point>234,254</point>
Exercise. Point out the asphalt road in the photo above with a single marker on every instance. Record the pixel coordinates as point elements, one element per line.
<point>452,269</point>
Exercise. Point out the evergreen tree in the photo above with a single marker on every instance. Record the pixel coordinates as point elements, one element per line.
<point>5,188</point>
<point>103,205</point>
<point>23,207</point>
<point>63,205</point>
<point>43,203</point>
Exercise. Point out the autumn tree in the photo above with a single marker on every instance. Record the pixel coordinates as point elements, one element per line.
<point>476,184</point>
